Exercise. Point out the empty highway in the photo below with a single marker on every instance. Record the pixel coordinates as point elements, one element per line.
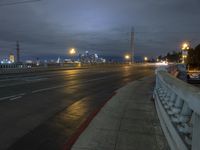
<point>40,111</point>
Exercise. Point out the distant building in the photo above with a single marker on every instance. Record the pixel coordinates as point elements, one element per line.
<point>90,58</point>
<point>58,60</point>
<point>5,61</point>
<point>37,62</point>
<point>29,62</point>
<point>12,58</point>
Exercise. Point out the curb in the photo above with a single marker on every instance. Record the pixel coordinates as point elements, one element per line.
<point>72,139</point>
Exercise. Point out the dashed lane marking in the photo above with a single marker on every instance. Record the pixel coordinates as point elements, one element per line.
<point>12,97</point>
<point>62,86</point>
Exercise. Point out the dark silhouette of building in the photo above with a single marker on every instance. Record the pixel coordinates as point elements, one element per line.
<point>18,52</point>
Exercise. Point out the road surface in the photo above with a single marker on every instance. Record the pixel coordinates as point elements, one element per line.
<point>39,111</point>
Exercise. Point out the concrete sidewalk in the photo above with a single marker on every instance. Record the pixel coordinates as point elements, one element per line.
<point>127,122</point>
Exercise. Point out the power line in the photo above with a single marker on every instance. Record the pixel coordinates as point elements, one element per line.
<point>19,2</point>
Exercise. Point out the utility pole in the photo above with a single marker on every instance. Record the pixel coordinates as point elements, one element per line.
<point>132,45</point>
<point>18,52</point>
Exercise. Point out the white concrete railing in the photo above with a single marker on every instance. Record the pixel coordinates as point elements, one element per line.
<point>178,107</point>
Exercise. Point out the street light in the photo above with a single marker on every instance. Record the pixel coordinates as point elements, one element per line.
<point>185,47</point>
<point>72,51</point>
<point>127,57</point>
<point>145,58</point>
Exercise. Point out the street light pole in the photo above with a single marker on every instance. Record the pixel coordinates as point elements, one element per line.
<point>132,45</point>
<point>185,48</point>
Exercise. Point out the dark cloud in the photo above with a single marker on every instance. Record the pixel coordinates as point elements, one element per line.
<point>50,27</point>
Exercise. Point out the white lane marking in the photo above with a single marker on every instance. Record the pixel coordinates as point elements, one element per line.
<point>10,85</point>
<point>23,81</point>
<point>34,79</point>
<point>3,80</point>
<point>13,96</point>
<point>39,76</point>
<point>46,89</point>
<point>7,97</point>
<point>22,94</point>
<point>97,79</point>
<point>61,86</point>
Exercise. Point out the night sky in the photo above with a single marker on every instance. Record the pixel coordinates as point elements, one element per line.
<point>48,28</point>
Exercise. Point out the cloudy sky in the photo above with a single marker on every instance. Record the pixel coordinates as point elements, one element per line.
<point>49,28</point>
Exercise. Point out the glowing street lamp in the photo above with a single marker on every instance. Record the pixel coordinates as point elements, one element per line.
<point>72,51</point>
<point>184,56</point>
<point>145,58</point>
<point>127,57</point>
<point>185,47</point>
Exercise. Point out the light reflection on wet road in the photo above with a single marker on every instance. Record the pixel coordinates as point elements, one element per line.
<point>46,119</point>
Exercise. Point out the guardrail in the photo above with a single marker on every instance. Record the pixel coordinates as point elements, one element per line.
<point>26,69</point>
<point>178,107</point>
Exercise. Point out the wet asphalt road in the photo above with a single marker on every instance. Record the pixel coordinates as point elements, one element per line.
<point>39,111</point>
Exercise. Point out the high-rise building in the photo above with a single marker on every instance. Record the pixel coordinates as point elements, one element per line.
<point>11,58</point>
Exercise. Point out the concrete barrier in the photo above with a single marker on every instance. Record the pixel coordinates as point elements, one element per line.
<point>178,108</point>
<point>17,69</point>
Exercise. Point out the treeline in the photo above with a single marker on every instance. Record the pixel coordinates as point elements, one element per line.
<point>171,57</point>
<point>192,60</point>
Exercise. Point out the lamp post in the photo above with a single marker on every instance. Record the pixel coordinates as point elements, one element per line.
<point>145,59</point>
<point>185,47</point>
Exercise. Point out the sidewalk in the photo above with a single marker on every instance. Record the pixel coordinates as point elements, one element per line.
<point>127,122</point>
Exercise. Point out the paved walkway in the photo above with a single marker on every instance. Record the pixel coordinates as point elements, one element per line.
<point>127,122</point>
